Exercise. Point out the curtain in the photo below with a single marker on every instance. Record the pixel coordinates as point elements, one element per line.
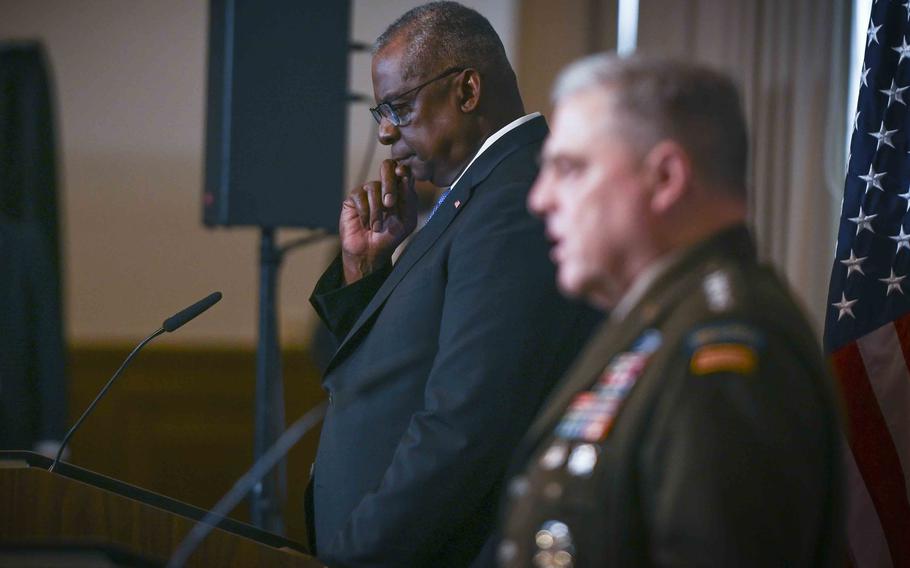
<point>791,61</point>
<point>32,358</point>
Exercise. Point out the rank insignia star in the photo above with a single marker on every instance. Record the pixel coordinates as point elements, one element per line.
<point>873,178</point>
<point>893,282</point>
<point>902,239</point>
<point>844,307</point>
<point>854,264</point>
<point>863,221</point>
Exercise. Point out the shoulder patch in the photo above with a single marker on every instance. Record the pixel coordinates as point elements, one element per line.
<point>725,332</point>
<point>723,357</point>
<point>717,291</point>
<point>724,347</point>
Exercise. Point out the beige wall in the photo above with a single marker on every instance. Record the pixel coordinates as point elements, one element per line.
<point>553,34</point>
<point>130,80</point>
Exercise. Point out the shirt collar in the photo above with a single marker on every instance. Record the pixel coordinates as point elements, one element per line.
<point>493,138</point>
<point>641,285</point>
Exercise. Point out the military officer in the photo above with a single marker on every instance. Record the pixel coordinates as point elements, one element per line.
<point>699,426</point>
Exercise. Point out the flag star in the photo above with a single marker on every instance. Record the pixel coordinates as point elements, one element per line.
<point>873,178</point>
<point>854,264</point>
<point>858,113</point>
<point>863,221</point>
<point>864,75</point>
<point>872,33</point>
<point>844,307</point>
<point>902,239</point>
<point>883,136</point>
<point>907,7</point>
<point>893,282</point>
<point>894,93</point>
<point>903,49</point>
<point>906,196</point>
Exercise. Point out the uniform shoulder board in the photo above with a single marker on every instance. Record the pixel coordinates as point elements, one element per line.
<point>724,347</point>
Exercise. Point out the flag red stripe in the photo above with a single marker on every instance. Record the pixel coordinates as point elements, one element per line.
<point>902,327</point>
<point>873,448</point>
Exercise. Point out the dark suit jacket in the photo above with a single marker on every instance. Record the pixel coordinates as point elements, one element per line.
<point>444,361</point>
<point>726,451</point>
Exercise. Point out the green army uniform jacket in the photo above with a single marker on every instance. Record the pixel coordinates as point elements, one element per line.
<point>702,429</point>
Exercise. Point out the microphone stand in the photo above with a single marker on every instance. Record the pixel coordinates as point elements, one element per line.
<point>101,395</point>
<point>259,469</point>
<point>268,495</point>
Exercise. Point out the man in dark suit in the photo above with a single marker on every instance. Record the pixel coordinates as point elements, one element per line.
<point>699,427</point>
<point>446,354</point>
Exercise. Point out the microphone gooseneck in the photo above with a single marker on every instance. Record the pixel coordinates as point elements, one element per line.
<point>170,324</point>
<point>279,449</point>
<point>101,395</point>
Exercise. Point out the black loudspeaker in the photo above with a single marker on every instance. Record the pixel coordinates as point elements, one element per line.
<point>276,114</point>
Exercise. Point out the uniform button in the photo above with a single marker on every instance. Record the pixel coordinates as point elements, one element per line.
<point>331,398</point>
<point>312,469</point>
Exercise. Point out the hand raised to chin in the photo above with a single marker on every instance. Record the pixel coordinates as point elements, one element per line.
<point>375,218</point>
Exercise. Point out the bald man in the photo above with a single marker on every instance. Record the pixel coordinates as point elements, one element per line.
<point>447,354</point>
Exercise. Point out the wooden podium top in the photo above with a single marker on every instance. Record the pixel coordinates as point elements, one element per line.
<point>76,506</point>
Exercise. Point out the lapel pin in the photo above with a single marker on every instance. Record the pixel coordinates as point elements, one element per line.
<point>457,203</point>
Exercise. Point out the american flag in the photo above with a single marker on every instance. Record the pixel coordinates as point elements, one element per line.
<point>867,331</point>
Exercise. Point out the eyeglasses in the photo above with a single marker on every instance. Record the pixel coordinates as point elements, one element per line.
<point>386,109</point>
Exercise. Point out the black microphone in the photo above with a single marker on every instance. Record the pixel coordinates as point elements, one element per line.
<point>170,324</point>
<point>183,316</point>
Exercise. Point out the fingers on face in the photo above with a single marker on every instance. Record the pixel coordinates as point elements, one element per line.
<point>377,201</point>
<point>390,183</point>
<point>362,201</point>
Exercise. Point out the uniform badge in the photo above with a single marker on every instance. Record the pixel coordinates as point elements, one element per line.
<point>554,545</point>
<point>717,291</point>
<point>582,460</point>
<point>555,456</point>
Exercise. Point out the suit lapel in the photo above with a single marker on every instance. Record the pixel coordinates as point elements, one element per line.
<point>532,131</point>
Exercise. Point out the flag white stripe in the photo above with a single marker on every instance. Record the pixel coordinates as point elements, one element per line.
<point>866,537</point>
<point>887,371</point>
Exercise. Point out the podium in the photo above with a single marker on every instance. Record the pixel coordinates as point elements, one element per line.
<point>74,509</point>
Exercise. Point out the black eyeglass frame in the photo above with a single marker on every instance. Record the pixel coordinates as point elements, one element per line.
<point>391,114</point>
